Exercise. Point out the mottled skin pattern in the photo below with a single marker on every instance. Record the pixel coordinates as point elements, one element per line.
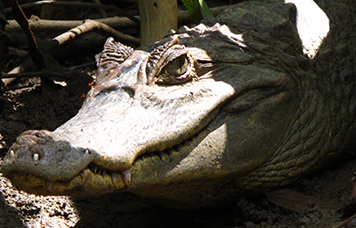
<point>205,114</point>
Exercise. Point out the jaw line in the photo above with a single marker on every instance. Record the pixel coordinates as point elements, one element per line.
<point>85,183</point>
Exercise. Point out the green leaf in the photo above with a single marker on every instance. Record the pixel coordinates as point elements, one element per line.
<point>205,11</point>
<point>198,10</point>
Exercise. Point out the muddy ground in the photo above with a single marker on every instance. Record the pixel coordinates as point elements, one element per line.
<point>34,107</point>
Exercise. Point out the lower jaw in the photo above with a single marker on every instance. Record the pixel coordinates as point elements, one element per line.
<point>84,184</point>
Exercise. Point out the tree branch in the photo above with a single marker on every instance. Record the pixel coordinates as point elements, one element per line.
<point>90,25</point>
<point>82,4</point>
<point>42,25</point>
<point>42,73</point>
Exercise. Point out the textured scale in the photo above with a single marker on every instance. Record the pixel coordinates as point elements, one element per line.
<point>312,140</point>
<point>111,57</point>
<point>273,98</point>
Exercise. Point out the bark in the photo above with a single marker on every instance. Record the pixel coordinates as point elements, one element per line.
<point>157,18</point>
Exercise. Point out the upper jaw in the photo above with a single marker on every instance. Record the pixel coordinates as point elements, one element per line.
<point>42,162</point>
<point>120,127</point>
<point>46,155</point>
<point>62,155</point>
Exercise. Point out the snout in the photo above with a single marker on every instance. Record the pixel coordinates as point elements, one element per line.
<point>44,154</point>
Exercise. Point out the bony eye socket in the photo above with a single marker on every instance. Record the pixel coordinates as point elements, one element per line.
<point>178,71</point>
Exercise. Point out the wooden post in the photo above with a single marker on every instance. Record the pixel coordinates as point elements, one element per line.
<point>157,18</point>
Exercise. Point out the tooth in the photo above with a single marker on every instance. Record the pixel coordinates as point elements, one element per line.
<point>126,175</point>
<point>12,153</point>
<point>86,172</point>
<point>115,177</point>
<point>35,156</point>
<point>163,156</point>
<point>49,185</point>
<point>95,170</point>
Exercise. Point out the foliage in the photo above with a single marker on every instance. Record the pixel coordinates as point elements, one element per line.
<point>198,9</point>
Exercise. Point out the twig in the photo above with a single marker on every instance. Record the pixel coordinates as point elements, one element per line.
<point>13,88</point>
<point>21,18</point>
<point>40,25</point>
<point>82,4</point>
<point>53,49</point>
<point>84,27</point>
<point>343,223</point>
<point>42,73</point>
<point>26,65</point>
<point>35,53</point>
<point>89,25</point>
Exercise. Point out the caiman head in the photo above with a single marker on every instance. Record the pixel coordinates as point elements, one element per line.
<point>190,120</point>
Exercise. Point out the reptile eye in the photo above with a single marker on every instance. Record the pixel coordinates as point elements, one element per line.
<point>177,67</point>
<point>170,64</point>
<point>177,71</point>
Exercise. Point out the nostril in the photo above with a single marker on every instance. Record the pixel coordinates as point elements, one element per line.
<point>37,136</point>
<point>42,134</point>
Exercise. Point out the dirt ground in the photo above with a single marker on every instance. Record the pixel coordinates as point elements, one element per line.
<point>32,107</point>
<point>26,105</point>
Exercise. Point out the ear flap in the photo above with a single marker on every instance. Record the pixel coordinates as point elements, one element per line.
<point>111,57</point>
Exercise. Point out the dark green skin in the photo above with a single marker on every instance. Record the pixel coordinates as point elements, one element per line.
<point>254,112</point>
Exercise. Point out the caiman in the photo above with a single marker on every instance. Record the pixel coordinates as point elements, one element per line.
<point>247,102</point>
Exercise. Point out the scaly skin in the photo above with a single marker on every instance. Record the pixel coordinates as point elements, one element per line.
<point>205,114</point>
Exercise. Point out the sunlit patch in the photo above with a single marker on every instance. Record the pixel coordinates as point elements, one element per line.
<point>312,24</point>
